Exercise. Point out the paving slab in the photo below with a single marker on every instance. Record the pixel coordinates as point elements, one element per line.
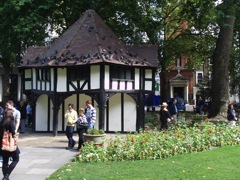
<point>42,154</point>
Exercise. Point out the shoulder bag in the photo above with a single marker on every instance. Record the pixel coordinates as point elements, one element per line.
<point>81,125</point>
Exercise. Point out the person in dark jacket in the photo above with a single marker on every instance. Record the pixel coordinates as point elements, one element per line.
<point>8,124</point>
<point>23,111</point>
<point>200,104</point>
<point>174,111</point>
<point>80,128</point>
<point>165,116</point>
<point>231,115</point>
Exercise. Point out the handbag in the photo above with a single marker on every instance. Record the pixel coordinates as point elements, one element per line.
<point>81,124</point>
<point>9,143</point>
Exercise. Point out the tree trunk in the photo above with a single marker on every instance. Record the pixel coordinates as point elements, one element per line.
<point>221,57</point>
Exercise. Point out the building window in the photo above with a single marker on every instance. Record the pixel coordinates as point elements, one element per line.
<point>179,62</point>
<point>77,73</point>
<point>199,77</point>
<point>43,74</point>
<point>122,73</point>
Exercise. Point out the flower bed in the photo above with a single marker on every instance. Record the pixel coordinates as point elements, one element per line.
<point>151,144</point>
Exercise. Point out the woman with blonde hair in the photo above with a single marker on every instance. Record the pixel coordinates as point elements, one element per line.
<point>164,116</point>
<point>82,125</point>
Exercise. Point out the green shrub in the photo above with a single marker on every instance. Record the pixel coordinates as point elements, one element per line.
<point>152,120</point>
<point>95,131</point>
<point>151,144</point>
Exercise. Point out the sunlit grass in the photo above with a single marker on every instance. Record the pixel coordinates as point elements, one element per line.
<point>220,163</point>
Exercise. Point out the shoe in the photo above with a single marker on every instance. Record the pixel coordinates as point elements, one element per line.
<point>68,148</point>
<point>73,144</point>
<point>6,177</point>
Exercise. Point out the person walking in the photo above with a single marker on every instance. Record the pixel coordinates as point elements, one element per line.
<point>16,114</point>
<point>174,111</point>
<point>23,111</point>
<point>200,105</point>
<point>90,114</point>
<point>165,116</point>
<point>29,114</point>
<point>231,115</point>
<point>81,127</point>
<point>8,157</point>
<point>71,118</point>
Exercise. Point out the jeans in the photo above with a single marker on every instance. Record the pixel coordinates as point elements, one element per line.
<point>8,168</point>
<point>29,119</point>
<point>22,125</point>
<point>90,125</point>
<point>69,134</point>
<point>80,136</point>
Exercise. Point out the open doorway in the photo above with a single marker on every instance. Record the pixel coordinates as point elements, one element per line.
<point>178,92</point>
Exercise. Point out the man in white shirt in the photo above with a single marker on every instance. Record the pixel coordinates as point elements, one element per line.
<point>16,113</point>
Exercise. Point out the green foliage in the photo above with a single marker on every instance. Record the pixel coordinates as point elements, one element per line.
<point>95,131</point>
<point>152,120</point>
<point>152,144</point>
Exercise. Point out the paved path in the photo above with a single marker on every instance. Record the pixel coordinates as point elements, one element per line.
<point>41,155</point>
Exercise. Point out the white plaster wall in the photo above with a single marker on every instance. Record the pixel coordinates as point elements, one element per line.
<point>107,78</point>
<point>62,80</point>
<point>19,87</point>
<point>137,79</point>
<point>28,73</point>
<point>41,113</point>
<point>28,84</point>
<point>129,85</point>
<point>130,113</point>
<point>114,85</point>
<point>95,77</point>
<point>70,86</point>
<point>148,85</point>
<point>115,113</point>
<point>148,73</point>
<point>48,86</point>
<point>85,86</point>
<point>52,79</point>
<point>34,78</point>
<point>38,84</point>
<point>122,85</point>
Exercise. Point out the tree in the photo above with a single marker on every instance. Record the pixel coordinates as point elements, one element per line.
<point>221,59</point>
<point>22,23</point>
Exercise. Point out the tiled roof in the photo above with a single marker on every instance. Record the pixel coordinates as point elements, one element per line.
<point>88,41</point>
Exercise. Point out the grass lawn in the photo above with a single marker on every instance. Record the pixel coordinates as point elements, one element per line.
<point>220,163</point>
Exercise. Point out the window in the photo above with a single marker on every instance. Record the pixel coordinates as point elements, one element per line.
<point>43,74</point>
<point>199,77</point>
<point>179,62</point>
<point>122,73</point>
<point>77,73</point>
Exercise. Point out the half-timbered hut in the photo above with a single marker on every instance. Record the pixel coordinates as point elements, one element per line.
<point>89,62</point>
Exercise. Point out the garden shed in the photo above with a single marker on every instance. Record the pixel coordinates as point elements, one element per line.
<point>89,62</point>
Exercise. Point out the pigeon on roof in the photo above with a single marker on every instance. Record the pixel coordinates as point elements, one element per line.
<point>88,41</point>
